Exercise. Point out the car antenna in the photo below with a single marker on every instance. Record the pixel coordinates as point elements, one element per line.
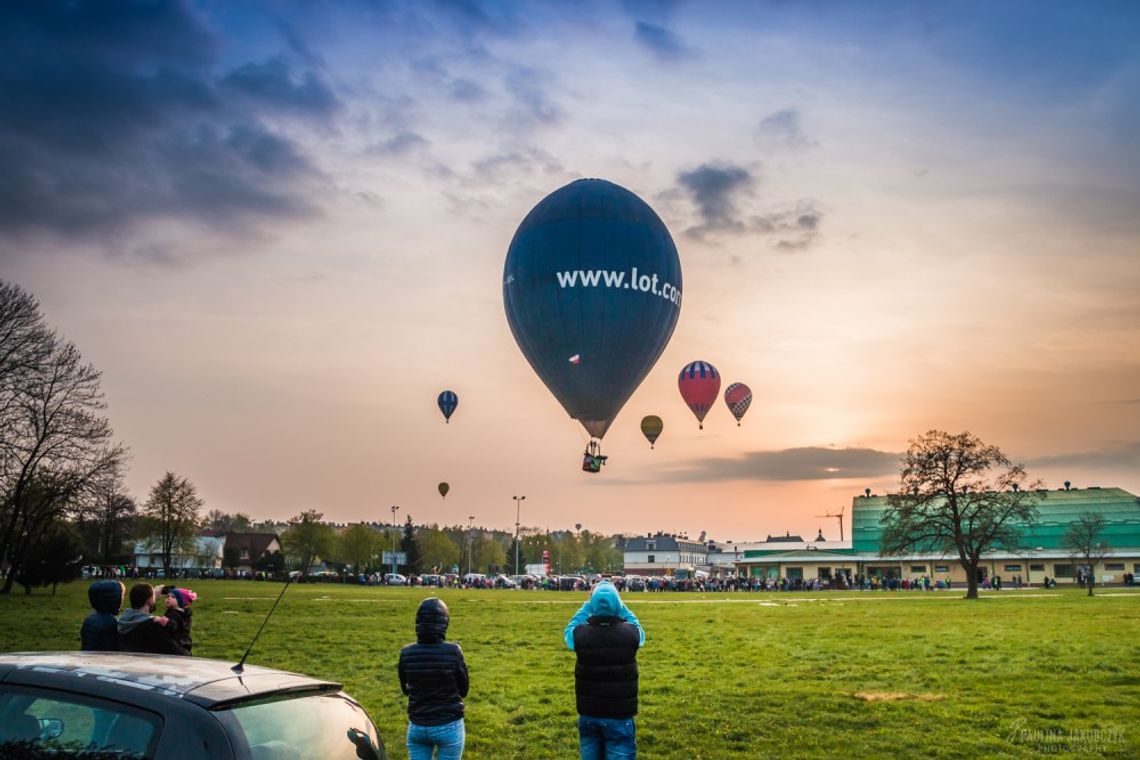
<point>241,665</point>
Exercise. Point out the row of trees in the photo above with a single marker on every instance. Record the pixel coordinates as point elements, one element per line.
<point>431,548</point>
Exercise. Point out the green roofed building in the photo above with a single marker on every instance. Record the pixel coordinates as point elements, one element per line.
<point>1042,555</point>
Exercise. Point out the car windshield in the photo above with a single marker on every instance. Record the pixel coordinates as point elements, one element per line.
<point>319,727</point>
<point>36,723</point>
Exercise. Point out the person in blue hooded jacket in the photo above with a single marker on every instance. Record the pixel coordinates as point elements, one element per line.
<point>605,636</point>
<point>100,629</point>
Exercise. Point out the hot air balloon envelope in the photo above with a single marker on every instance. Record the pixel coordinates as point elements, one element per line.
<point>592,290</point>
<point>738,397</point>
<point>699,383</point>
<point>651,427</point>
<point>447,402</point>
<point>443,489</point>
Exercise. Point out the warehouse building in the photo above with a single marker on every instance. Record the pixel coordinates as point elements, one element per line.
<point>1044,554</point>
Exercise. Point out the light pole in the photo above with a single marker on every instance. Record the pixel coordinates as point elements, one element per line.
<point>470,527</point>
<point>518,500</point>
<point>394,508</point>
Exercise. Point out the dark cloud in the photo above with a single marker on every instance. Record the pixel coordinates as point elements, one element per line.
<point>782,128</point>
<point>794,228</point>
<point>467,91</point>
<point>117,113</point>
<point>528,88</point>
<point>715,190</point>
<point>402,143</point>
<point>274,86</point>
<point>807,463</point>
<point>1124,456</point>
<point>663,43</point>
<point>719,190</point>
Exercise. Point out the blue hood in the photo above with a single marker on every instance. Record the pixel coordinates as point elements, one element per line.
<point>106,596</point>
<point>604,600</point>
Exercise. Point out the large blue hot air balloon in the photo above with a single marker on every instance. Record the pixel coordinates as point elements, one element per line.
<point>592,288</point>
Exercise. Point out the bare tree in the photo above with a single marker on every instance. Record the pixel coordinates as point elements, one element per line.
<point>170,518</point>
<point>958,495</point>
<point>110,513</point>
<point>55,444</point>
<point>1085,543</point>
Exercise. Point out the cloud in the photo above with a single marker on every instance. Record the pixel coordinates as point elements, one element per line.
<point>1123,456</point>
<point>525,161</point>
<point>806,463</point>
<point>664,44</point>
<point>401,144</point>
<point>526,86</point>
<point>117,114</point>
<point>718,190</point>
<point>782,128</point>
<point>715,190</point>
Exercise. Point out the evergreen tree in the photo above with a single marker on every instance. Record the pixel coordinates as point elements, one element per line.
<point>411,548</point>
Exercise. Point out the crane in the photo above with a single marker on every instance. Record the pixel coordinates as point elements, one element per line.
<point>840,516</point>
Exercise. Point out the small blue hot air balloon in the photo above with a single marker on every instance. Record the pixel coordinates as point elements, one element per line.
<point>447,402</point>
<point>592,290</point>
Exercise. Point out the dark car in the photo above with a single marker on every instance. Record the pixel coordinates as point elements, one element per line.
<point>95,705</point>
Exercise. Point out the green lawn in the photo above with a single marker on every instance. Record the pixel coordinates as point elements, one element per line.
<point>1015,674</point>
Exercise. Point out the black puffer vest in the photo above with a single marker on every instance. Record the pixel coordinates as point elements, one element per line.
<point>605,677</point>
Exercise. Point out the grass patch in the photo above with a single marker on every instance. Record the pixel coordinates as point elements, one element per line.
<point>722,675</point>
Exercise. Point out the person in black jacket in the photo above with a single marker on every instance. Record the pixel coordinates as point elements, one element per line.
<point>140,631</point>
<point>99,633</point>
<point>433,676</point>
<point>605,637</point>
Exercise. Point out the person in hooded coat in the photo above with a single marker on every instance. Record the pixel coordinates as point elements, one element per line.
<point>433,675</point>
<point>140,631</point>
<point>605,636</point>
<point>99,631</point>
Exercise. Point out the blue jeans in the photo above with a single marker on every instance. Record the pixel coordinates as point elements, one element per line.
<point>422,741</point>
<point>607,738</point>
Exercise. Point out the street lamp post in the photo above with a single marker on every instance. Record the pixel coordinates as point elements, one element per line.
<point>518,500</point>
<point>394,508</point>
<point>470,527</point>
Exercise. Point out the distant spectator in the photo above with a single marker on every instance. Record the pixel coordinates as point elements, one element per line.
<point>100,629</point>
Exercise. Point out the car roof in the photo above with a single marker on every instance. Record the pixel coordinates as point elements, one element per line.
<point>211,684</point>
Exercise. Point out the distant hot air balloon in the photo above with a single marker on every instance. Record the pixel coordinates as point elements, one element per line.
<point>447,402</point>
<point>592,290</point>
<point>443,489</point>
<point>651,427</point>
<point>700,384</point>
<point>738,396</point>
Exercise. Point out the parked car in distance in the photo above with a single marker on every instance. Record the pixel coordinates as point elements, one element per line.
<point>78,705</point>
<point>431,580</point>
<point>395,579</point>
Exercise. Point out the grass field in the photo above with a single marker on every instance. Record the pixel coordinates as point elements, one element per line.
<point>829,675</point>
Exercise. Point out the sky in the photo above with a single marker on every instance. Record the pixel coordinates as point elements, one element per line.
<point>279,230</point>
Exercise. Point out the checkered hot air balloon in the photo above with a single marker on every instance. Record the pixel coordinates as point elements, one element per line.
<point>699,383</point>
<point>738,396</point>
<point>447,402</point>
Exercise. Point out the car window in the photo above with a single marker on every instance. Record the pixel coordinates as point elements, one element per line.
<point>42,723</point>
<point>317,727</point>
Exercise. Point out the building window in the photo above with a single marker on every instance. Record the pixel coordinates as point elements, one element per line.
<point>918,568</point>
<point>1062,571</point>
<point>1013,568</point>
<point>1037,568</point>
<point>650,546</point>
<point>649,559</point>
<point>795,572</point>
<point>1114,566</point>
<point>941,568</point>
<point>824,573</point>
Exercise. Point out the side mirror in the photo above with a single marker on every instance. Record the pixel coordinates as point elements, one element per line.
<point>365,749</point>
<point>51,728</point>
